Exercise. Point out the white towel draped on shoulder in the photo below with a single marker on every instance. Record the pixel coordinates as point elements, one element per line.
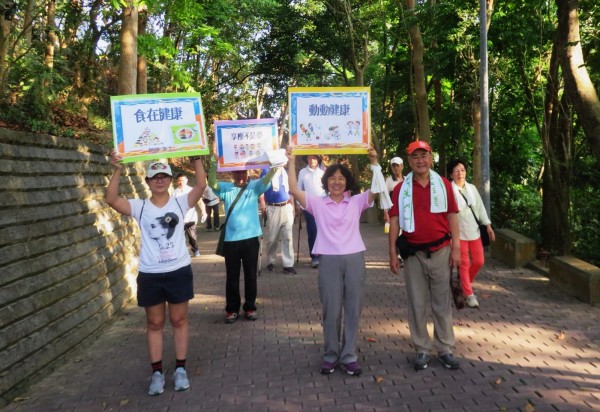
<point>439,200</point>
<point>280,175</point>
<point>378,186</point>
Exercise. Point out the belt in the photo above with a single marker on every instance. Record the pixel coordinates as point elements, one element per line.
<point>277,204</point>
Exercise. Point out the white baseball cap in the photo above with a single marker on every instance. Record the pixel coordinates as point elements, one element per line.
<point>396,161</point>
<point>158,167</point>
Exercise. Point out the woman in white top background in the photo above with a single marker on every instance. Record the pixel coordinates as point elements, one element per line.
<point>309,181</point>
<point>471,249</point>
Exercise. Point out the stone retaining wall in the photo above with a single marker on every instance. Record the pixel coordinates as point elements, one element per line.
<point>67,260</point>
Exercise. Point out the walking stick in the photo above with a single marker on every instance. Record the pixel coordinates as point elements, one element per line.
<point>299,230</point>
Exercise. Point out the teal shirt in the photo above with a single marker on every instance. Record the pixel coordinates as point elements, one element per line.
<point>244,222</point>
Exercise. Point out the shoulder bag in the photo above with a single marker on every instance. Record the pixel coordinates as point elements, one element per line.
<point>483,234</point>
<point>221,243</point>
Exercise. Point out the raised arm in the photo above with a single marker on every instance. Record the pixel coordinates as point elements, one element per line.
<point>118,203</point>
<point>213,183</point>
<point>195,194</point>
<point>295,191</point>
<point>266,179</point>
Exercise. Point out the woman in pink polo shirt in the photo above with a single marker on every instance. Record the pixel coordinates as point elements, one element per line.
<point>342,263</point>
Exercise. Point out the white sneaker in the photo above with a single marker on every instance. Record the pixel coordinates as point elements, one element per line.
<point>181,380</point>
<point>472,301</point>
<point>157,384</point>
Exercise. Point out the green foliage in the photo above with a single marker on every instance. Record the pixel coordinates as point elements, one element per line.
<point>585,215</point>
<point>242,55</point>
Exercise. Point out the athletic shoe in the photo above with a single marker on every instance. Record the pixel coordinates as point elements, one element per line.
<point>314,263</point>
<point>449,361</point>
<point>472,301</point>
<point>231,317</point>
<point>421,361</point>
<point>290,270</point>
<point>181,380</point>
<point>197,253</point>
<point>352,368</point>
<point>327,368</point>
<point>251,315</point>
<point>270,267</point>
<point>157,384</point>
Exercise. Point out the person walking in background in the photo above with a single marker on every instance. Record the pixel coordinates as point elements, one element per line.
<point>341,259</point>
<point>309,181</point>
<point>395,178</point>
<point>471,213</point>
<point>242,232</point>
<point>191,217</point>
<point>424,208</point>
<point>165,271</point>
<point>280,222</point>
<point>211,202</point>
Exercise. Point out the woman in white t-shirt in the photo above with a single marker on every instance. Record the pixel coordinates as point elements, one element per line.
<point>309,180</point>
<point>165,272</point>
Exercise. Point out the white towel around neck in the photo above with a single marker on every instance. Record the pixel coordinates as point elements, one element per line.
<point>439,200</point>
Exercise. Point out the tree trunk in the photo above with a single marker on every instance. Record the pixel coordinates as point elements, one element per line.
<point>28,22</point>
<point>359,63</point>
<point>142,66</point>
<point>476,119</point>
<point>128,61</point>
<point>581,90</point>
<point>418,51</point>
<point>476,112</point>
<point>51,37</point>
<point>557,143</point>
<point>4,33</point>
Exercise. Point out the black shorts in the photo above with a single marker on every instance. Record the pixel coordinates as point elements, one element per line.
<point>172,287</point>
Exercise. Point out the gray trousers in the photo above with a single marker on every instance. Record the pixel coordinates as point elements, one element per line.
<point>341,289</point>
<point>428,285</point>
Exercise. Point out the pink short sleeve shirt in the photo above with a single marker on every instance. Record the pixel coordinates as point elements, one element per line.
<point>338,223</point>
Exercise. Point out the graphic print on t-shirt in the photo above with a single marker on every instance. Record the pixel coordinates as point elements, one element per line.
<point>161,230</point>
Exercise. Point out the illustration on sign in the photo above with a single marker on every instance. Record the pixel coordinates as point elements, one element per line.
<point>161,125</point>
<point>330,120</point>
<point>243,144</point>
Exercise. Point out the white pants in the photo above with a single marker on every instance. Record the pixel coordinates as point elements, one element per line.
<point>280,222</point>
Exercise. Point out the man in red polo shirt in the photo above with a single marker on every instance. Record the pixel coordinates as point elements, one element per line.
<point>425,209</point>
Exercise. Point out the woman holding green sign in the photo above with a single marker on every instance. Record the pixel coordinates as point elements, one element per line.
<point>165,276</point>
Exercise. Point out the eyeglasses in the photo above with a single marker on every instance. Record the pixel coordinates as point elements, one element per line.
<point>160,178</point>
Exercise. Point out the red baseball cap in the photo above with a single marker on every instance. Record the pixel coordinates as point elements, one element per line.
<point>418,144</point>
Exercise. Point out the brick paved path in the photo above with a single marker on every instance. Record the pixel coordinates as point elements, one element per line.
<point>529,348</point>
